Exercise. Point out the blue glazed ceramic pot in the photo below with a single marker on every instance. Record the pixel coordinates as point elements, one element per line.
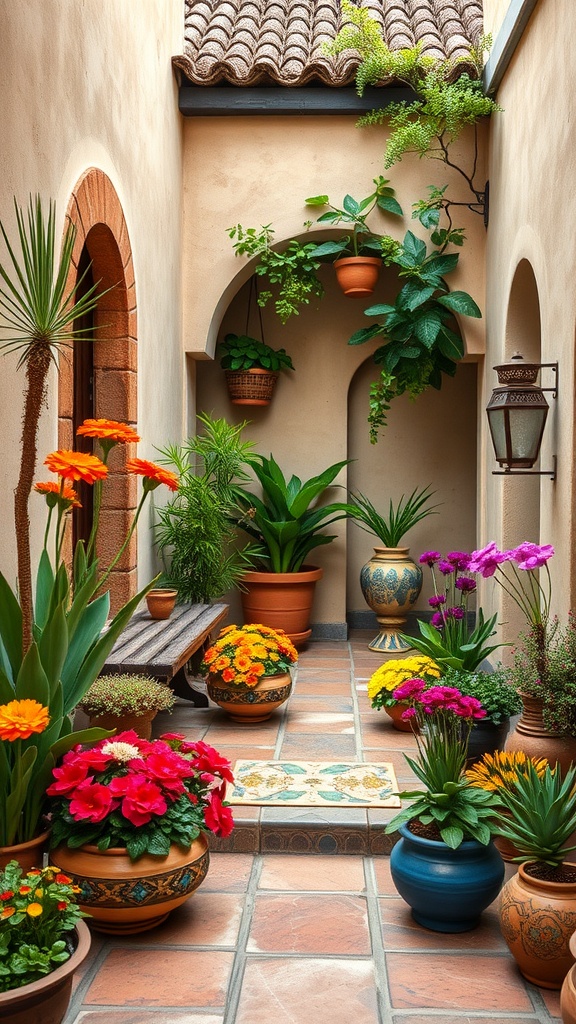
<point>391,583</point>
<point>446,889</point>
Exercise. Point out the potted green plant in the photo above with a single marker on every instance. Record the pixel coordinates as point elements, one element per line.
<point>500,769</point>
<point>291,271</point>
<point>391,581</point>
<point>445,865</point>
<point>357,256</point>
<point>498,697</point>
<point>538,904</point>
<point>129,818</point>
<point>287,523</point>
<point>389,676</point>
<point>252,368</point>
<point>247,671</point>
<point>126,702</point>
<point>43,941</point>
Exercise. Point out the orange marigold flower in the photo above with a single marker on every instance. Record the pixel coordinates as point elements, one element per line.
<point>251,679</point>
<point>76,466</point>
<point>153,475</point>
<point>62,878</point>
<point>228,675</point>
<point>221,663</point>
<point>34,909</point>
<point>25,889</point>
<point>108,430</point>
<point>7,912</point>
<point>67,494</point>
<point>257,669</point>
<point>20,718</point>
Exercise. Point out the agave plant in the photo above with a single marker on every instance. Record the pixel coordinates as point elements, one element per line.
<point>541,814</point>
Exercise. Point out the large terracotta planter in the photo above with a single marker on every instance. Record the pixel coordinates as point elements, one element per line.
<point>537,918</point>
<point>357,275</point>
<point>29,855</point>
<point>446,889</point>
<point>568,993</point>
<point>281,600</point>
<point>124,896</point>
<point>251,704</point>
<point>391,582</point>
<point>46,1001</point>
<point>251,387</point>
<point>532,736</point>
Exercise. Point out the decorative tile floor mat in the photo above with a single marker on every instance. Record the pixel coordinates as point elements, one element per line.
<point>314,783</point>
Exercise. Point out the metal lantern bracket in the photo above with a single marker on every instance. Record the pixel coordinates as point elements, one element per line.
<point>537,472</point>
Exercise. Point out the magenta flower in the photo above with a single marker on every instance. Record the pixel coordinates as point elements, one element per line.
<point>437,600</point>
<point>466,584</point>
<point>457,612</point>
<point>459,559</point>
<point>445,567</point>
<point>437,620</point>
<point>410,689</point>
<point>429,558</point>
<point>486,560</point>
<point>531,556</point>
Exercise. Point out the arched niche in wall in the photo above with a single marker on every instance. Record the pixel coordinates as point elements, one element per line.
<point>102,238</point>
<point>431,441</point>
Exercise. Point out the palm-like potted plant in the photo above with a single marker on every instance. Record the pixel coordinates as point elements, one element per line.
<point>252,368</point>
<point>391,581</point>
<point>287,522</point>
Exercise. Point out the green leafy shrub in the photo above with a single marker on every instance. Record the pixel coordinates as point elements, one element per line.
<point>240,352</point>
<point>494,690</point>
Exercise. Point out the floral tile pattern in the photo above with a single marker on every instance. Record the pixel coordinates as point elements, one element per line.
<point>314,783</point>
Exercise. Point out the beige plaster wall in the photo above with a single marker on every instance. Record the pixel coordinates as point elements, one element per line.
<point>90,85</point>
<point>532,217</point>
<point>258,171</point>
<point>494,14</point>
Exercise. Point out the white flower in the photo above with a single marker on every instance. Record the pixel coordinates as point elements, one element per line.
<point>121,751</point>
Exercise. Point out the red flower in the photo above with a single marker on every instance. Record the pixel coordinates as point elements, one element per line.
<point>217,817</point>
<point>91,802</point>
<point>141,798</point>
<point>209,760</point>
<point>6,895</point>
<point>69,777</point>
<point>168,769</point>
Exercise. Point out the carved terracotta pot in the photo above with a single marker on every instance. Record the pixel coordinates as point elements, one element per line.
<point>532,736</point>
<point>251,704</point>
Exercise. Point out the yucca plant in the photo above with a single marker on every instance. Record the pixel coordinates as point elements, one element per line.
<point>402,516</point>
<point>541,814</point>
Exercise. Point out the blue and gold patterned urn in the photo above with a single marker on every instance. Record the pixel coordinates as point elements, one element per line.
<point>391,582</point>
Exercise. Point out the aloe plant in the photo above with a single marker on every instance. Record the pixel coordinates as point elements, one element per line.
<point>401,517</point>
<point>541,814</point>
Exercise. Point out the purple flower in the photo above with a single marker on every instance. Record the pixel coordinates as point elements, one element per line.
<point>408,714</point>
<point>437,620</point>
<point>429,558</point>
<point>466,584</point>
<point>437,600</point>
<point>531,556</point>
<point>459,559</point>
<point>446,568</point>
<point>455,613</point>
<point>486,560</point>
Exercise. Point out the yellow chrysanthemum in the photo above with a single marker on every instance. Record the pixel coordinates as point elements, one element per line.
<point>34,909</point>
<point>392,673</point>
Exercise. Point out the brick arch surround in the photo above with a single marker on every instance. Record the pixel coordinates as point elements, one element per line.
<point>97,215</point>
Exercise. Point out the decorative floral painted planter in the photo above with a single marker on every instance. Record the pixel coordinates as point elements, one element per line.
<point>538,918</point>
<point>391,583</point>
<point>251,704</point>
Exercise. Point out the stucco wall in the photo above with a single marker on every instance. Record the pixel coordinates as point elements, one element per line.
<point>91,85</point>
<point>258,170</point>
<point>532,217</point>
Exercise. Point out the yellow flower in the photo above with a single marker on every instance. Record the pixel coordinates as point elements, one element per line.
<point>392,673</point>
<point>502,769</point>
<point>34,909</point>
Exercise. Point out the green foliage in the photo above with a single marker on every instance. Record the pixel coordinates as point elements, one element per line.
<point>541,814</point>
<point>457,648</point>
<point>493,689</point>
<point>421,340</point>
<point>362,241</point>
<point>401,517</point>
<point>195,531</point>
<point>31,944</point>
<point>550,674</point>
<point>126,695</point>
<point>240,352</point>
<point>287,521</point>
<point>292,271</point>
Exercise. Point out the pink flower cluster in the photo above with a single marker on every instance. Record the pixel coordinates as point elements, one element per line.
<point>527,556</point>
<point>436,699</point>
<point>140,779</point>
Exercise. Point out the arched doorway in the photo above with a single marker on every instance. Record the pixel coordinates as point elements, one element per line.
<point>102,240</point>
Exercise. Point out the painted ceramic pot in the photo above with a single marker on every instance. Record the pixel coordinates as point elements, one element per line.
<point>391,583</point>
<point>532,736</point>
<point>29,855</point>
<point>446,889</point>
<point>538,918</point>
<point>47,1000</point>
<point>251,704</point>
<point>123,896</point>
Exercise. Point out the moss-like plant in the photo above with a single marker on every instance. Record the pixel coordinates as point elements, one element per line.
<point>126,695</point>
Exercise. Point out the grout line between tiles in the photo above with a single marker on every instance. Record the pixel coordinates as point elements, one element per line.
<point>376,939</point>
<point>239,964</point>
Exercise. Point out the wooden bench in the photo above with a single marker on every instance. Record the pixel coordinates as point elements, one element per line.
<point>162,647</point>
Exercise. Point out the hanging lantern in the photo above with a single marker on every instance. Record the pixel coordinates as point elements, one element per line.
<point>517,413</point>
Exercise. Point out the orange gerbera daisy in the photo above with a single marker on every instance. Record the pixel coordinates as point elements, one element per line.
<point>67,494</point>
<point>20,718</point>
<point>76,466</point>
<point>153,475</point>
<point>108,430</point>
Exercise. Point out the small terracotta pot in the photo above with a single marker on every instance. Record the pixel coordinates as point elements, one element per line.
<point>47,999</point>
<point>395,712</point>
<point>357,275</point>
<point>29,855</point>
<point>141,724</point>
<point>251,704</point>
<point>161,603</point>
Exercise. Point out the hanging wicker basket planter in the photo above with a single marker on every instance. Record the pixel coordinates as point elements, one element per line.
<point>251,387</point>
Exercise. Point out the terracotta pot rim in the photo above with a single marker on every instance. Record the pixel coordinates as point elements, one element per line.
<point>121,851</point>
<point>252,689</point>
<point>72,964</point>
<point>372,260</point>
<point>546,883</point>
<point>382,547</point>
<point>254,369</point>
<point>308,573</point>
<point>37,840</point>
<point>162,592</point>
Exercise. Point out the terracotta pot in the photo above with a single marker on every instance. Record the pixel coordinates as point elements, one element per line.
<point>395,712</point>
<point>537,918</point>
<point>141,724</point>
<point>251,387</point>
<point>532,736</point>
<point>124,896</point>
<point>161,603</point>
<point>251,704</point>
<point>391,582</point>
<point>357,275</point>
<point>29,855</point>
<point>505,847</point>
<point>46,1000</point>
<point>568,993</point>
<point>281,600</point>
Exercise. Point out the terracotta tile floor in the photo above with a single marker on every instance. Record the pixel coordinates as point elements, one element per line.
<point>280,938</point>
